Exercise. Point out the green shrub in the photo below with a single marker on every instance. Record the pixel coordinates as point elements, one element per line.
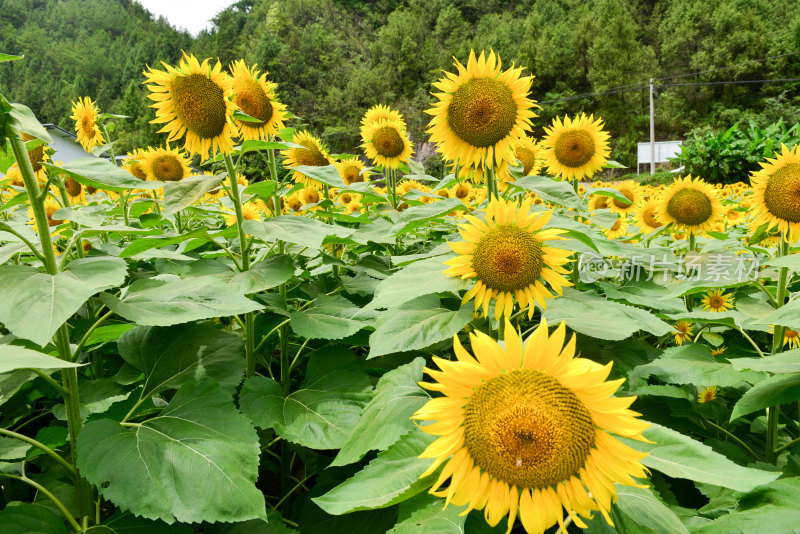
<point>731,156</point>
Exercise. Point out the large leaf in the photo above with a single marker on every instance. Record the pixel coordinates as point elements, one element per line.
<point>680,456</point>
<point>417,216</point>
<point>13,357</point>
<point>36,304</point>
<point>390,478</point>
<point>102,174</point>
<point>780,389</point>
<point>425,513</point>
<point>22,119</point>
<point>415,325</point>
<point>266,274</point>
<point>330,317</point>
<point>397,396</point>
<point>639,510</point>
<point>178,195</point>
<point>560,193</point>
<point>770,508</point>
<point>127,523</point>
<point>694,364</point>
<point>19,518</point>
<point>195,461</point>
<point>173,355</point>
<point>292,229</point>
<point>783,362</point>
<point>786,315</point>
<point>422,277</point>
<point>320,415</point>
<point>169,301</point>
<point>595,316</point>
<point>142,244</point>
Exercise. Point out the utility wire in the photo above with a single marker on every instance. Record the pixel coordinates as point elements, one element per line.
<point>728,82</point>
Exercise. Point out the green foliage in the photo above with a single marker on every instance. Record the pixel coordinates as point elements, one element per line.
<point>730,156</point>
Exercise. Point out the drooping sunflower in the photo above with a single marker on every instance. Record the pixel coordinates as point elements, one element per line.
<point>528,151</point>
<point>255,95</point>
<point>791,338</point>
<point>313,154</point>
<point>36,155</point>
<point>386,143</point>
<point>507,258</point>
<point>707,394</point>
<point>576,148</point>
<point>683,332</point>
<point>481,114</point>
<point>645,216</point>
<point>777,193</point>
<point>631,191</point>
<point>84,113</point>
<point>379,112</point>
<point>527,429</point>
<point>691,204</point>
<point>164,164</point>
<point>351,170</point>
<point>194,99</point>
<point>717,301</point>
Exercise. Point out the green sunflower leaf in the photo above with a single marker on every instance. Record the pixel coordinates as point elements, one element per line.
<point>780,389</point>
<point>694,364</point>
<point>397,396</point>
<point>298,230</point>
<point>102,174</point>
<point>680,456</point>
<point>13,357</point>
<point>19,518</point>
<point>195,461</point>
<point>422,277</point>
<point>560,193</point>
<point>416,324</point>
<point>639,510</point>
<point>184,193</point>
<point>330,317</point>
<point>426,513</point>
<point>390,478</point>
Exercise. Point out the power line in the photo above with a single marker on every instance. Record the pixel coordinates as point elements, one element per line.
<point>728,82</point>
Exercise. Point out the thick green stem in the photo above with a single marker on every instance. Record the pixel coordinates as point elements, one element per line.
<point>773,412</point>
<point>69,376</point>
<point>244,250</point>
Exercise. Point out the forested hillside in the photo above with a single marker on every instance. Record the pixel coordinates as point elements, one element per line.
<point>334,58</point>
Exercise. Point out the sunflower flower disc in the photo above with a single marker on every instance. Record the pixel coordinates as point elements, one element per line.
<point>313,154</point>
<point>525,429</point>
<point>351,170</point>
<point>482,113</point>
<point>386,143</point>
<point>255,95</point>
<point>507,258</point>
<point>194,99</point>
<point>691,204</point>
<point>84,113</point>
<point>164,164</point>
<point>777,193</point>
<point>576,148</point>
<point>529,153</point>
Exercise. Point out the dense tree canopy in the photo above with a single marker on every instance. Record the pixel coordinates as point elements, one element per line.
<point>335,58</point>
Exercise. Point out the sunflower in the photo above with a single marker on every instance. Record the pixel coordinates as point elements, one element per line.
<point>50,207</point>
<point>133,163</point>
<point>164,164</point>
<point>691,204</point>
<point>734,216</point>
<point>683,332</point>
<point>36,155</point>
<point>462,191</point>
<point>351,170</point>
<point>379,112</point>
<point>310,195</point>
<point>251,211</point>
<point>619,229</point>
<point>386,143</point>
<point>506,256</point>
<point>645,216</point>
<point>255,95</point>
<point>482,112</point>
<point>718,351</point>
<point>529,153</point>
<point>527,428</point>
<point>196,99</point>
<point>313,154</point>
<point>577,148</point>
<point>631,191</point>
<point>777,193</point>
<point>84,113</point>
<point>717,301</point>
<point>791,338</point>
<point>599,202</point>
<point>707,394</point>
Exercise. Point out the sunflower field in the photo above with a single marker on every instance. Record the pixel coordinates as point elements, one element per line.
<point>347,344</point>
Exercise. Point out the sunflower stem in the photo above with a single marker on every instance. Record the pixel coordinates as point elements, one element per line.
<point>41,446</point>
<point>773,412</point>
<point>60,505</point>
<point>285,384</point>
<point>273,174</point>
<point>69,376</point>
<point>249,318</point>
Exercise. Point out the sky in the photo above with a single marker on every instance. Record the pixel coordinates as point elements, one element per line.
<point>192,15</point>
